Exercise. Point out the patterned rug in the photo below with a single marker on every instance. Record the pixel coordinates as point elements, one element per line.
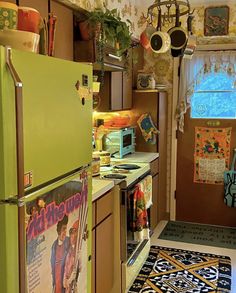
<point>199,234</point>
<point>171,270</point>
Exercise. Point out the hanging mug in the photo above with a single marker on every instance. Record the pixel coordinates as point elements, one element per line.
<point>160,41</point>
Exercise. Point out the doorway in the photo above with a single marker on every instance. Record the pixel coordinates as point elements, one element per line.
<point>202,202</point>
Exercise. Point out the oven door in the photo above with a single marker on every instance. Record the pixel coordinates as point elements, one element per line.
<point>131,245</point>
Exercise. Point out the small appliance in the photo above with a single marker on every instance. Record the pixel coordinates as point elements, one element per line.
<point>119,142</point>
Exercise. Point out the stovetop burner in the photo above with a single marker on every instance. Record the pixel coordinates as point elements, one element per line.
<point>127,166</point>
<point>114,176</point>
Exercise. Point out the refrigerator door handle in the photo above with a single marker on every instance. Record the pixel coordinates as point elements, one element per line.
<point>13,201</point>
<point>20,168</point>
<point>19,122</point>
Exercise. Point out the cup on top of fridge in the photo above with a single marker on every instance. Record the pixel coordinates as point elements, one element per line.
<point>29,19</point>
<point>8,15</point>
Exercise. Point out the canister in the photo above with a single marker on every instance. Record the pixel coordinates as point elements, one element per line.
<point>105,157</point>
<point>96,166</point>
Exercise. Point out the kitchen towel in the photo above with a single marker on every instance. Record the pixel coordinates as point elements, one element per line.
<point>146,187</point>
<point>138,215</point>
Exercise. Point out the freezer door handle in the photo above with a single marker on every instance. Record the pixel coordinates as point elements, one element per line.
<point>13,201</point>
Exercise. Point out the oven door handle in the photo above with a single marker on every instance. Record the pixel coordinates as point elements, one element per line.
<point>132,190</point>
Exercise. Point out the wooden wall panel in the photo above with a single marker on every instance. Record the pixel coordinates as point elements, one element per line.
<point>40,5</point>
<point>64,31</point>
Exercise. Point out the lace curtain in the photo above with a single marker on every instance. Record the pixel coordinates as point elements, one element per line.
<point>193,71</point>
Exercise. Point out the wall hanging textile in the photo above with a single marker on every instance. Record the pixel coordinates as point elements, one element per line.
<point>193,71</point>
<point>211,154</point>
<point>148,129</point>
<point>230,184</point>
<point>180,271</point>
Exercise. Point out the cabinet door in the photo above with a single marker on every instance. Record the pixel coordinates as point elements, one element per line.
<point>127,90</point>
<point>93,261</point>
<point>116,90</point>
<point>105,256</point>
<point>154,208</point>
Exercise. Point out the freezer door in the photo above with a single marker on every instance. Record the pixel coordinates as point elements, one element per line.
<point>57,248</point>
<point>57,117</point>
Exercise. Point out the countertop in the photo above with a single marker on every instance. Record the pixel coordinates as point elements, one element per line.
<point>100,187</point>
<point>139,157</point>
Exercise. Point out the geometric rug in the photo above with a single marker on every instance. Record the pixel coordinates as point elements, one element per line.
<point>199,234</point>
<point>171,270</point>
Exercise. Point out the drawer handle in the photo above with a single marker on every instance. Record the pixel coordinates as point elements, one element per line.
<point>119,58</point>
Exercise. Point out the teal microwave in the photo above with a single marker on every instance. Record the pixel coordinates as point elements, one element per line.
<point>119,142</point>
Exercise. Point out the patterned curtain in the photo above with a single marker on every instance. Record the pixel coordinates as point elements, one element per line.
<point>193,71</point>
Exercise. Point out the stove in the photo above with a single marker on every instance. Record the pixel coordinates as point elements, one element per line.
<point>128,174</point>
<point>127,166</point>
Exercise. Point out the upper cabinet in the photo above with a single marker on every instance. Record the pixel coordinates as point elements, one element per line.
<point>116,89</point>
<point>89,51</point>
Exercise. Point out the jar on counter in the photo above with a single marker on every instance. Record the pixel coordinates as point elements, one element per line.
<point>95,166</point>
<point>105,157</point>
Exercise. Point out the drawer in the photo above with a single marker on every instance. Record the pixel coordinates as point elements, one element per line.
<point>104,207</point>
<point>154,166</point>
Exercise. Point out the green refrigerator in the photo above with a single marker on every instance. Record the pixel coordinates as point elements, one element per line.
<point>45,175</point>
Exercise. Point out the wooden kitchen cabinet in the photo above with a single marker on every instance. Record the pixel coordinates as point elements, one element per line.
<point>103,244</point>
<point>116,94</point>
<point>116,91</point>
<point>156,105</point>
<point>104,256</point>
<point>154,210</point>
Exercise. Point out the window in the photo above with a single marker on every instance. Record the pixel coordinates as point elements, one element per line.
<point>215,97</point>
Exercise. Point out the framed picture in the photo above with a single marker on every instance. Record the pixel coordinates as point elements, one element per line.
<point>216,21</point>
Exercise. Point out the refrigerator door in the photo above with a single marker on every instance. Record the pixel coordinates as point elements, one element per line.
<point>57,228</point>
<point>57,119</point>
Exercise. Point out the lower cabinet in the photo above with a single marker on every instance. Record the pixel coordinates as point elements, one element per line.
<point>155,208</point>
<point>103,245</point>
<point>154,212</point>
<point>104,256</point>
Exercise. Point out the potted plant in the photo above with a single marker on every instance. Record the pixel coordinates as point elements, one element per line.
<point>107,27</point>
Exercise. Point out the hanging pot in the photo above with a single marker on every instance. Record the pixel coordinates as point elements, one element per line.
<point>160,41</point>
<point>192,41</point>
<point>178,36</point>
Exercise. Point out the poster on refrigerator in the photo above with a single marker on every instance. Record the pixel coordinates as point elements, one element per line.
<point>56,226</point>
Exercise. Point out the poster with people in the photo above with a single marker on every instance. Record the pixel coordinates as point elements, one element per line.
<point>56,230</point>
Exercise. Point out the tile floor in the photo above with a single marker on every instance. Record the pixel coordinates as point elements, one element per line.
<point>200,248</point>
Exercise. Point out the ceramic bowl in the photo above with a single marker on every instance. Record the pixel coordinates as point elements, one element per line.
<point>28,19</point>
<point>21,40</point>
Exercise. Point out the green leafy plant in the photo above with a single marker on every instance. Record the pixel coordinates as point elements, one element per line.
<point>107,27</point>
<point>112,29</point>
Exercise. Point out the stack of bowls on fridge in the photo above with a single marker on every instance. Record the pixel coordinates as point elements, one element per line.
<point>19,27</point>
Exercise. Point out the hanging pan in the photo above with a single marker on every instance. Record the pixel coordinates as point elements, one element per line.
<point>178,35</point>
<point>160,41</point>
<point>192,41</point>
